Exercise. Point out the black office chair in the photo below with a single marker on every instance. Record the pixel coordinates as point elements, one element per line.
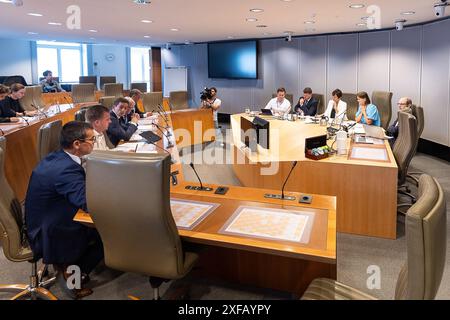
<point>14,79</point>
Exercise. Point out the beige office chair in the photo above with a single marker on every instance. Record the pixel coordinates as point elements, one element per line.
<point>289,97</point>
<point>141,86</point>
<point>27,101</point>
<point>80,115</point>
<point>48,138</point>
<point>405,148</point>
<point>138,236</point>
<point>114,90</point>
<point>89,79</point>
<point>321,103</point>
<point>178,100</point>
<point>83,93</point>
<point>151,100</point>
<point>13,238</point>
<point>107,101</point>
<point>352,104</point>
<point>426,238</point>
<point>105,80</point>
<point>383,101</point>
<point>417,112</point>
<point>37,96</point>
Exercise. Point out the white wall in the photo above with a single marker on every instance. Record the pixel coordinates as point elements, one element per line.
<point>414,62</point>
<point>16,58</point>
<point>117,67</point>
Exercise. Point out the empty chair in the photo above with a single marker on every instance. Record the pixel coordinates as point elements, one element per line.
<point>138,236</point>
<point>426,237</point>
<point>288,96</point>
<point>383,101</point>
<point>80,115</point>
<point>13,238</point>
<point>14,79</point>
<point>88,79</point>
<point>114,90</point>
<point>83,93</point>
<point>107,101</point>
<point>48,138</point>
<point>151,100</point>
<point>37,96</point>
<point>27,101</point>
<point>105,80</point>
<point>352,104</point>
<point>320,102</point>
<point>178,100</point>
<point>141,86</point>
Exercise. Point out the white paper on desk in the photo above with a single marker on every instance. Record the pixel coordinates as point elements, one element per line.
<point>369,153</point>
<point>359,129</point>
<point>309,120</point>
<point>146,127</point>
<point>127,147</point>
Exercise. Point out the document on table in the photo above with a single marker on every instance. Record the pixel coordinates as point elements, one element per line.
<point>139,147</point>
<point>365,153</point>
<point>359,129</point>
<point>188,214</point>
<point>146,127</point>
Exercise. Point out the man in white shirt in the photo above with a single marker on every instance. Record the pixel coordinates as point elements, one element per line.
<point>98,116</point>
<point>337,109</point>
<point>279,105</point>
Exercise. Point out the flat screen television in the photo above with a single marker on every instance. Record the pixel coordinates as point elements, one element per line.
<point>233,60</point>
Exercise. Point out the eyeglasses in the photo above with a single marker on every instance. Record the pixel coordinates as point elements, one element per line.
<point>93,139</point>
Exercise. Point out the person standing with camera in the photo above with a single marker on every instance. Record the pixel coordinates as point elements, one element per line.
<point>210,100</point>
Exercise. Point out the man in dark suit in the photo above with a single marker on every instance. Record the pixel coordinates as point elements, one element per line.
<point>307,104</point>
<point>118,129</point>
<point>56,191</point>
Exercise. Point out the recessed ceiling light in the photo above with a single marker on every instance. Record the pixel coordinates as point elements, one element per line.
<point>310,22</point>
<point>146,36</point>
<point>174,29</point>
<point>356,6</point>
<point>361,24</point>
<point>257,10</point>
<point>230,37</point>
<point>251,19</point>
<point>261,26</point>
<point>286,0</point>
<point>408,13</point>
<point>55,23</point>
<point>92,30</point>
<point>32,33</point>
<point>142,1</point>
<point>310,30</point>
<point>147,21</point>
<point>6,1</point>
<point>35,14</point>
<point>266,33</point>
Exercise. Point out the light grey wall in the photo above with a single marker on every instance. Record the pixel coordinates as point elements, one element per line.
<point>118,67</point>
<point>414,62</point>
<point>16,58</point>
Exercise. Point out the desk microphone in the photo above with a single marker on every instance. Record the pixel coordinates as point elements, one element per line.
<point>163,111</point>
<point>282,196</point>
<point>39,110</point>
<point>67,100</point>
<point>166,135</point>
<point>26,121</point>
<point>201,188</point>
<point>164,118</point>
<point>165,150</point>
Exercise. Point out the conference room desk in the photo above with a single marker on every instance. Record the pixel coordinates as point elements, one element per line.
<point>366,191</point>
<point>21,147</point>
<point>279,265</point>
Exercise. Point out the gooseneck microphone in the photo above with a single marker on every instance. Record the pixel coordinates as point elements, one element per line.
<point>201,188</point>
<point>163,112</point>
<point>165,150</point>
<point>287,178</point>
<point>166,135</point>
<point>163,117</point>
<point>68,102</point>
<point>24,119</point>
<point>39,110</point>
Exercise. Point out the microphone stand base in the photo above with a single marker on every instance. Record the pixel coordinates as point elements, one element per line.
<point>278,196</point>
<point>197,188</point>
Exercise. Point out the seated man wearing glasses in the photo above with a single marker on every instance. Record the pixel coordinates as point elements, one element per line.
<point>56,191</point>
<point>404,105</point>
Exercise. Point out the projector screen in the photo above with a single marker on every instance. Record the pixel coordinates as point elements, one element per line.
<point>233,60</point>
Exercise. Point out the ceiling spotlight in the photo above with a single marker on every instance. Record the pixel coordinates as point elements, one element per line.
<point>439,8</point>
<point>257,10</point>
<point>261,26</point>
<point>35,14</point>
<point>174,29</point>
<point>310,22</point>
<point>142,1</point>
<point>399,24</point>
<point>147,21</point>
<point>92,30</point>
<point>356,6</point>
<point>55,23</point>
<point>288,37</point>
<point>147,37</point>
<point>251,19</point>
<point>32,33</point>
<point>408,13</point>
<point>361,24</point>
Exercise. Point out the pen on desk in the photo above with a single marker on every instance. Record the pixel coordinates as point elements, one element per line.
<point>135,150</point>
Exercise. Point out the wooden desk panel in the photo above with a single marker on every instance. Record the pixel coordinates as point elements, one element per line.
<point>192,126</point>
<point>271,264</point>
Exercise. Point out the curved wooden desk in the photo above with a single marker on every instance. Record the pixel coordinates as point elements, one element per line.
<point>366,191</point>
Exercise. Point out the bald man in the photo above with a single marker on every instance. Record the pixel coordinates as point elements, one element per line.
<point>404,105</point>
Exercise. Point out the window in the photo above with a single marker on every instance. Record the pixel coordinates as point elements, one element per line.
<point>140,65</point>
<point>66,60</point>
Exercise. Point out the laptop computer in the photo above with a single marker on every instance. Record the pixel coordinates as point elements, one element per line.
<point>150,136</point>
<point>266,112</point>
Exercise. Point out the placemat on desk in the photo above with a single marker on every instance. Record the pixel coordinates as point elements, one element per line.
<point>188,214</point>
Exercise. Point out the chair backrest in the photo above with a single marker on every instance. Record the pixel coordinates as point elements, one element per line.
<point>178,100</point>
<point>37,96</point>
<point>138,236</point>
<point>321,102</point>
<point>48,138</point>
<point>151,100</point>
<point>27,101</point>
<point>107,101</point>
<point>383,101</point>
<point>417,112</point>
<point>11,217</point>
<point>80,115</point>
<point>141,86</point>
<point>83,93</point>
<point>88,79</point>
<point>406,143</point>
<point>114,89</point>
<point>426,238</point>
<point>352,104</point>
<point>105,80</point>
<point>288,96</point>
<point>14,79</point>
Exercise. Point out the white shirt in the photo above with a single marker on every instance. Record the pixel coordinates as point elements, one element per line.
<point>100,142</point>
<point>279,108</point>
<point>74,158</point>
<point>341,109</point>
<point>217,103</point>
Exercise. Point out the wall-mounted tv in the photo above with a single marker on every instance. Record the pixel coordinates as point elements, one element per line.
<point>233,60</point>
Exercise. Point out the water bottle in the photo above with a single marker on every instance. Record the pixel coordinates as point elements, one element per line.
<point>341,141</point>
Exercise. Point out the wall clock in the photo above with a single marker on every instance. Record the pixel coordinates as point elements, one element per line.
<point>109,57</point>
